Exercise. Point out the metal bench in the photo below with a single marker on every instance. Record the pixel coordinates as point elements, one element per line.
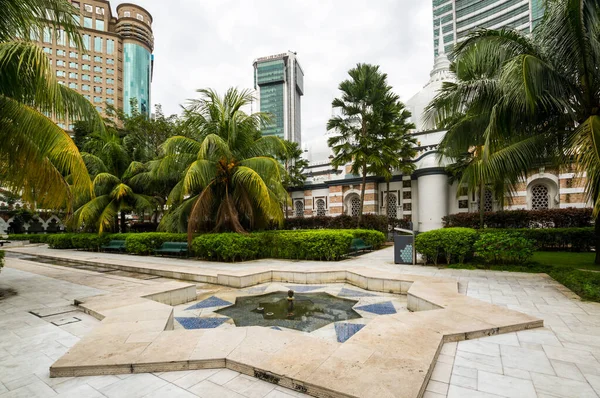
<point>359,245</point>
<point>172,248</point>
<point>114,245</point>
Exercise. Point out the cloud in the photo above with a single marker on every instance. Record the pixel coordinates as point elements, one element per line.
<point>203,43</point>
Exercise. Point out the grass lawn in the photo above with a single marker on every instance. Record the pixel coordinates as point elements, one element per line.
<point>574,270</point>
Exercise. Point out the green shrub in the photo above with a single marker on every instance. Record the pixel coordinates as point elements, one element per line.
<point>504,248</point>
<point>227,247</point>
<point>548,218</point>
<point>1,259</point>
<point>550,239</point>
<point>328,245</point>
<point>61,241</point>
<point>89,241</point>
<point>369,221</point>
<point>145,243</point>
<point>371,237</point>
<point>32,238</point>
<point>451,244</point>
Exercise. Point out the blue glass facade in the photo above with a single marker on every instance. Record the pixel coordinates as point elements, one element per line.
<point>137,68</point>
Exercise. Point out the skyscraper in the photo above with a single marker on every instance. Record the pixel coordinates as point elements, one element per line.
<point>459,17</point>
<point>115,64</point>
<point>279,82</point>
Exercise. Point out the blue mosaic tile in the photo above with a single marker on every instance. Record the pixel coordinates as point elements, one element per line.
<point>304,288</point>
<point>384,308</point>
<point>344,331</point>
<point>276,328</point>
<point>201,323</point>
<point>354,293</point>
<point>407,254</point>
<point>209,302</point>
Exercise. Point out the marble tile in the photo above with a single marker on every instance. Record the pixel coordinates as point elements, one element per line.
<point>506,386</point>
<point>557,386</point>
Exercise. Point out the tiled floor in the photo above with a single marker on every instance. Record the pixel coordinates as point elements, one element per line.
<point>560,360</point>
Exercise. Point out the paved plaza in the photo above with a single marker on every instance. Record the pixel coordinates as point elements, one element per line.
<point>559,360</point>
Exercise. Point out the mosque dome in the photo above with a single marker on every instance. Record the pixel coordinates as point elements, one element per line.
<point>439,74</point>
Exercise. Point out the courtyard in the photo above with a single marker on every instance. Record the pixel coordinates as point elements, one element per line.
<point>559,359</point>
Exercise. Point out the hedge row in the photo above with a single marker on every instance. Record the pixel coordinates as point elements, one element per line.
<point>330,245</point>
<point>370,221</point>
<point>1,259</point>
<point>32,238</point>
<point>551,218</point>
<point>552,239</point>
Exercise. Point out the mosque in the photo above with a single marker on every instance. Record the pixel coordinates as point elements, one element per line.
<point>425,196</point>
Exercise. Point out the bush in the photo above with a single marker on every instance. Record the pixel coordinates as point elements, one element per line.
<point>452,244</point>
<point>89,241</point>
<point>32,238</point>
<point>549,239</point>
<point>227,247</point>
<point>146,243</point>
<point>370,221</point>
<point>1,259</point>
<point>504,248</point>
<point>328,245</point>
<point>371,237</point>
<point>61,241</point>
<point>551,218</point>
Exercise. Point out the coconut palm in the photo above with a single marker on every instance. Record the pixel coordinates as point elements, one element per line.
<point>229,178</point>
<point>358,125</point>
<point>294,165</point>
<point>113,171</point>
<point>36,154</point>
<point>543,93</point>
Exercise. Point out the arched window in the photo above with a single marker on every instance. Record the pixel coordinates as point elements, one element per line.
<point>355,206</point>
<point>540,198</point>
<point>320,208</point>
<point>392,210</point>
<point>299,207</point>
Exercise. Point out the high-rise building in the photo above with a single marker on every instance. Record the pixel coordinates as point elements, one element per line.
<point>459,17</point>
<point>279,82</point>
<point>115,65</point>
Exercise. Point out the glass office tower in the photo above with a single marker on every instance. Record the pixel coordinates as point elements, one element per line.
<point>137,70</point>
<point>459,17</point>
<point>279,82</point>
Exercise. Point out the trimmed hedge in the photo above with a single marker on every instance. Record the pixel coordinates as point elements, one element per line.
<point>504,248</point>
<point>370,222</point>
<point>145,243</point>
<point>32,238</point>
<point>551,239</point>
<point>1,259</point>
<point>551,218</point>
<point>61,241</point>
<point>450,244</point>
<point>227,247</point>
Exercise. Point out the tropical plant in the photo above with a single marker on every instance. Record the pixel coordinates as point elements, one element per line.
<point>229,179</point>
<point>112,169</point>
<point>360,122</point>
<point>36,154</point>
<point>294,165</point>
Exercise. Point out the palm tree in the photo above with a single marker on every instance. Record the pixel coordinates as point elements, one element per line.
<point>113,171</point>
<point>294,164</point>
<point>547,92</point>
<point>229,178</point>
<point>36,154</point>
<point>361,108</point>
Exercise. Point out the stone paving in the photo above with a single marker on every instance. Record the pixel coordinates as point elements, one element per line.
<point>29,345</point>
<point>559,360</point>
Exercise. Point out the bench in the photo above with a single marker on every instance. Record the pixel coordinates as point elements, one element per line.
<point>359,245</point>
<point>114,245</point>
<point>172,248</point>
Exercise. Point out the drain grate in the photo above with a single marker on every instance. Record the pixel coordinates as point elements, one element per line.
<point>65,321</point>
<point>45,312</point>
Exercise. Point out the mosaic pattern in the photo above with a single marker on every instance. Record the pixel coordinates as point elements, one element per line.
<point>354,293</point>
<point>539,197</point>
<point>201,323</point>
<point>407,254</point>
<point>344,331</point>
<point>209,302</point>
<point>304,288</point>
<point>276,328</point>
<point>385,308</point>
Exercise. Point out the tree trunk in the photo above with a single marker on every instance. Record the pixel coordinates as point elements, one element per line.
<point>597,231</point>
<point>116,224</point>
<point>387,202</point>
<point>362,195</point>
<point>481,204</point>
<point>122,223</point>
<point>289,198</point>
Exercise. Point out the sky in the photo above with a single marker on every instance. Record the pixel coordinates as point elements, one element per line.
<point>213,43</point>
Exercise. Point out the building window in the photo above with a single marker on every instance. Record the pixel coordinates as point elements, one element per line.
<point>110,46</point>
<point>99,109</point>
<point>110,71</point>
<point>61,82</point>
<point>488,201</point>
<point>109,61</point>
<point>98,69</point>
<point>110,81</point>
<point>72,44</point>
<point>34,34</point>
<point>87,97</point>
<point>61,73</point>
<point>75,4</point>
<point>540,198</point>
<point>99,24</point>
<point>73,65</point>
<point>73,86</point>
<point>110,91</point>
<point>406,184</point>
<point>110,101</point>
<point>97,100</point>
<point>299,208</point>
<point>60,62</point>
<point>127,14</point>
<point>86,67</point>
<point>87,22</point>
<point>97,89</point>
<point>48,50</point>
<point>140,17</point>
<point>86,57</point>
<point>47,35</point>
<point>355,206</point>
<point>97,59</point>
<point>392,210</point>
<point>320,208</point>
<point>73,75</point>
<point>100,10</point>
<point>86,42</point>
<point>88,7</point>
<point>98,44</point>
<point>61,53</point>
<point>73,54</point>
<point>61,39</point>
<point>85,87</point>
<point>97,79</point>
<point>407,195</point>
<point>85,78</point>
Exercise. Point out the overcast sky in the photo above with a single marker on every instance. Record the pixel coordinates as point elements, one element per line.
<point>212,43</point>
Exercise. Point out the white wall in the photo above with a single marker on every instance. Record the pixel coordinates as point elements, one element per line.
<point>433,201</point>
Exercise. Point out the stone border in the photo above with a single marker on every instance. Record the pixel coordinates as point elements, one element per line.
<point>393,355</point>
